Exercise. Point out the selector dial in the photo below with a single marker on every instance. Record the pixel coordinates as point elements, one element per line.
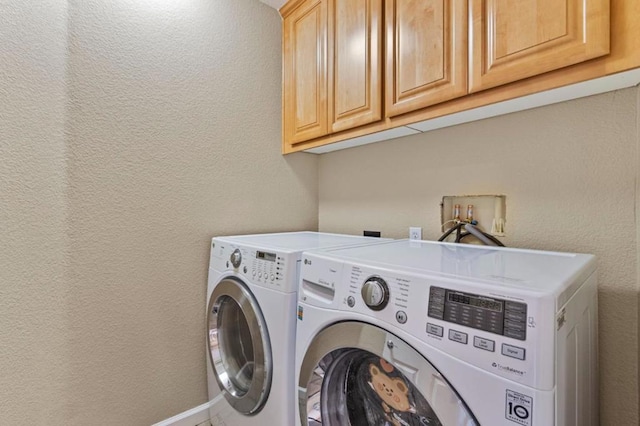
<point>236,258</point>
<point>375,293</point>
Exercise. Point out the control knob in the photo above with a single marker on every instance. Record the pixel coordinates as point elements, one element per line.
<point>236,258</point>
<point>375,293</point>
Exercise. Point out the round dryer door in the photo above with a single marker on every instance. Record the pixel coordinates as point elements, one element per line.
<point>358,374</point>
<point>239,347</point>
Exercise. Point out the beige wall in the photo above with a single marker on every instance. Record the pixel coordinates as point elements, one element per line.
<point>171,135</point>
<point>638,223</point>
<point>158,126</point>
<point>569,172</point>
<point>32,210</point>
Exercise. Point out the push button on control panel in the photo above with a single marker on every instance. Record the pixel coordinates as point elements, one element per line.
<point>436,302</point>
<point>486,344</point>
<point>401,317</point>
<point>516,334</point>
<point>516,326</point>
<point>515,307</point>
<point>513,351</point>
<point>515,316</point>
<point>436,330</point>
<point>458,336</point>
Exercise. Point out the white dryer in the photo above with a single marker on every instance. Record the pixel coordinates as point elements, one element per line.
<point>251,315</point>
<point>424,333</point>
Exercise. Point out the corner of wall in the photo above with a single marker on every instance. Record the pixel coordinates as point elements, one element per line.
<point>637,217</point>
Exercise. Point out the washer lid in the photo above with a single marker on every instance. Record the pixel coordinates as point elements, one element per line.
<point>355,374</point>
<point>239,346</point>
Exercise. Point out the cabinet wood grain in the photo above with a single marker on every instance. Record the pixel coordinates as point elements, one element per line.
<point>426,53</point>
<point>513,48</point>
<point>515,39</point>
<point>305,72</point>
<point>355,63</point>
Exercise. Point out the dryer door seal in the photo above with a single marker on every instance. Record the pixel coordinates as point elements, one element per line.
<point>239,346</point>
<point>359,374</point>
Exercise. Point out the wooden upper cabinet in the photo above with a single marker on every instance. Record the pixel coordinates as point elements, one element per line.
<point>352,68</point>
<point>516,39</point>
<point>305,72</point>
<point>355,63</point>
<point>426,53</point>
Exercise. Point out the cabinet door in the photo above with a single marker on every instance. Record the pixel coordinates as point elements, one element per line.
<point>515,39</point>
<point>355,64</point>
<point>426,53</point>
<point>305,72</point>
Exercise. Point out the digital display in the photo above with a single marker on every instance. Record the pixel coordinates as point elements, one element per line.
<point>271,257</point>
<point>504,317</point>
<point>492,305</point>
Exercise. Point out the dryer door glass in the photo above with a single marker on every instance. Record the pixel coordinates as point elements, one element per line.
<point>236,347</point>
<point>239,348</point>
<point>359,375</point>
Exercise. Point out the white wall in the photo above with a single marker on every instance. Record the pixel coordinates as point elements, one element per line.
<point>569,172</point>
<point>171,135</point>
<point>32,211</point>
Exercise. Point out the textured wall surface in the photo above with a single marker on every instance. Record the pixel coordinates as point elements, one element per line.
<point>638,225</point>
<point>569,173</point>
<point>166,133</point>
<point>32,211</point>
<point>174,129</point>
<point>276,4</point>
<point>133,131</point>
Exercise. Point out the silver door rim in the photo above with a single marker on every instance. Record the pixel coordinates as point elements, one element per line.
<point>356,335</point>
<point>252,401</point>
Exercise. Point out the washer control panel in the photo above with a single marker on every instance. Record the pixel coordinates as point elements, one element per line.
<point>488,328</point>
<point>503,317</point>
<point>496,322</point>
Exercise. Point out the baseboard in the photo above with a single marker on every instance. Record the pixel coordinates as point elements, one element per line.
<point>192,417</point>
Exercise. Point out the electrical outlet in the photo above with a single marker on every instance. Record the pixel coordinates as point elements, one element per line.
<point>415,233</point>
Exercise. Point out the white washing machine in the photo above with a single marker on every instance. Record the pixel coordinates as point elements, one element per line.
<point>425,333</point>
<point>251,319</point>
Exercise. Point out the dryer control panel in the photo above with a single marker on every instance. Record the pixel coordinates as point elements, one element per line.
<point>266,268</point>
